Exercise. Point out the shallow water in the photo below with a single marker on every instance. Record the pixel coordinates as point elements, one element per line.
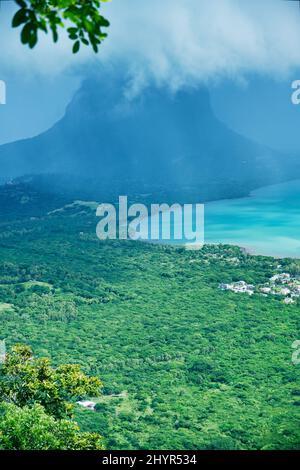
<point>267,222</point>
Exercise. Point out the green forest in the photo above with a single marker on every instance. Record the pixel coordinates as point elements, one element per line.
<point>183,364</point>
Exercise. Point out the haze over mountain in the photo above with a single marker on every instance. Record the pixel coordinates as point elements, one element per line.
<point>158,137</point>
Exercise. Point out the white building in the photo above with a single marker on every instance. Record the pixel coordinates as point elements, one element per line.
<point>288,300</point>
<point>90,405</point>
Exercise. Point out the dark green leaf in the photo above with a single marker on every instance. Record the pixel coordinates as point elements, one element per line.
<point>19,18</point>
<point>21,3</point>
<point>72,30</point>
<point>76,47</point>
<point>95,47</point>
<point>33,38</point>
<point>54,34</point>
<point>25,34</point>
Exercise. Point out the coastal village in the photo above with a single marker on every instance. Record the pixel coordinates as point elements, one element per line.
<point>283,285</point>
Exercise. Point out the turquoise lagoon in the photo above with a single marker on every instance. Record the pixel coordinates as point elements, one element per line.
<point>265,223</point>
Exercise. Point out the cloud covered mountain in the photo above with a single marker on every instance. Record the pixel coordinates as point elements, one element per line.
<point>158,137</point>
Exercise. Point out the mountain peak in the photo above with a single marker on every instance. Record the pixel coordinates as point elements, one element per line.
<point>154,136</point>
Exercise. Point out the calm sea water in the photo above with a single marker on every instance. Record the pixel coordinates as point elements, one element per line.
<point>267,222</point>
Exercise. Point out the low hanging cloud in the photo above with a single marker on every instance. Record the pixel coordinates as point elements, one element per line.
<point>203,40</point>
<point>176,42</point>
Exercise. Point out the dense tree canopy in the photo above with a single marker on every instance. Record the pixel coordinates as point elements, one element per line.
<point>184,364</point>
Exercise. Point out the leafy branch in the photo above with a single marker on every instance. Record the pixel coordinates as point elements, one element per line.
<point>81,18</point>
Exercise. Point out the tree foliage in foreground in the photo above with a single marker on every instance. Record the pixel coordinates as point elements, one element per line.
<point>81,18</point>
<point>36,404</point>
<point>31,428</point>
<point>26,380</point>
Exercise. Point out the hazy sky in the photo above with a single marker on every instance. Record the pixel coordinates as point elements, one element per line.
<point>247,53</point>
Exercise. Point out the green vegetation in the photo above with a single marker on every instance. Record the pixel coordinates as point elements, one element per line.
<point>30,428</point>
<point>85,23</point>
<point>37,403</point>
<point>25,380</point>
<point>184,365</point>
